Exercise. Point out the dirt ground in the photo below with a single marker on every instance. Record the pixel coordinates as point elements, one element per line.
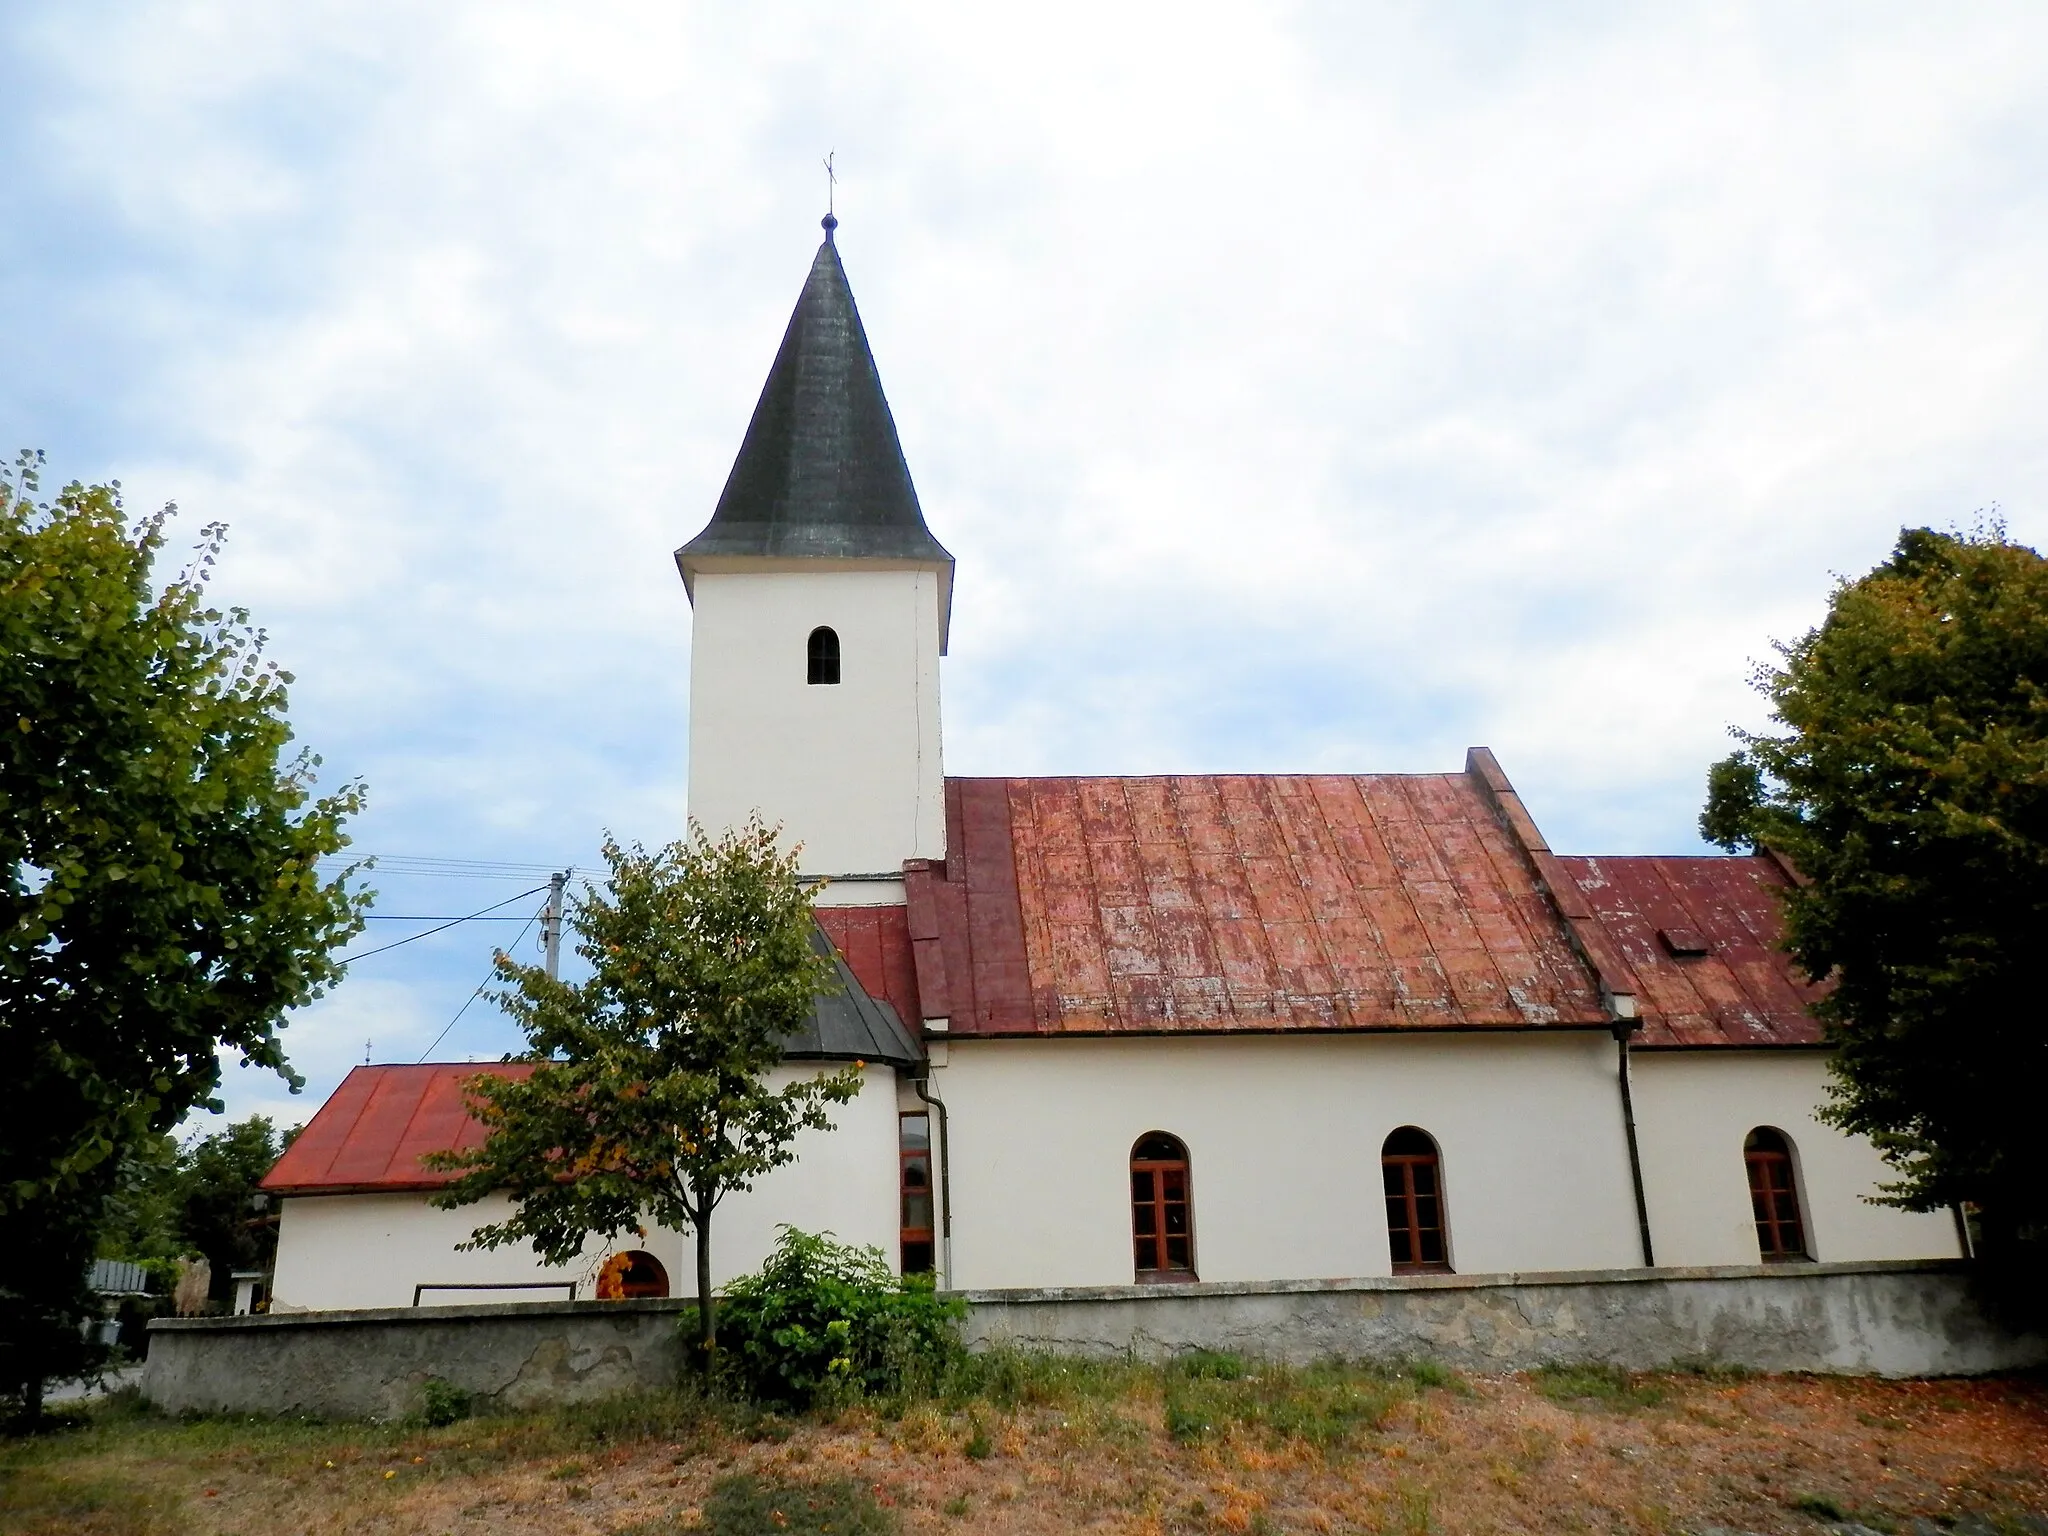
<point>1140,1453</point>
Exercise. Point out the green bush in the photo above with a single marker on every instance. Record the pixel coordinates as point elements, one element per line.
<point>442,1402</point>
<point>824,1321</point>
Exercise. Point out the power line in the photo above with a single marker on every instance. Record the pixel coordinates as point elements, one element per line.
<point>434,865</point>
<point>479,992</point>
<point>392,917</point>
<point>428,933</point>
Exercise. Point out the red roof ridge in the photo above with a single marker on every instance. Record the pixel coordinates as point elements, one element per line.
<point>1619,988</point>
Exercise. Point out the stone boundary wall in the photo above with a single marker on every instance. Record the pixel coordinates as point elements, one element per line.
<point>375,1364</point>
<point>1917,1318</point>
<point>1902,1319</point>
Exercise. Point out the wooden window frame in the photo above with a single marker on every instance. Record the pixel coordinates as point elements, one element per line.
<point>1164,1273</point>
<point>1771,1198</point>
<point>613,1282</point>
<point>1407,1163</point>
<point>821,656</point>
<point>906,1235</point>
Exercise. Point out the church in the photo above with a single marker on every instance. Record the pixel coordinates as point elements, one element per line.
<point>1171,1031</point>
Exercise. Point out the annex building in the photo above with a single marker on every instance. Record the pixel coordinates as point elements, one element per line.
<point>1164,1030</point>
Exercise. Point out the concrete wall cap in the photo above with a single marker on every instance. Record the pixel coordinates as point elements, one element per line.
<point>1027,1296</point>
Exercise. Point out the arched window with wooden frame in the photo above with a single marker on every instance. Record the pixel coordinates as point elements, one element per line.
<point>632,1276</point>
<point>914,1166</point>
<point>1162,1210</point>
<point>1774,1196</point>
<point>822,655</point>
<point>1411,1173</point>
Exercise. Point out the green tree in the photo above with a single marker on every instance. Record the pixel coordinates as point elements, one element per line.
<point>651,1096</point>
<point>1909,787</point>
<point>201,1198</point>
<point>221,1214</point>
<point>159,894</point>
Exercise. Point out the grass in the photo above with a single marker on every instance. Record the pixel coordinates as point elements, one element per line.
<point>1820,1506</point>
<point>1326,1406</point>
<point>35,1501</point>
<point>751,1506</point>
<point>1600,1386</point>
<point>1208,1443</point>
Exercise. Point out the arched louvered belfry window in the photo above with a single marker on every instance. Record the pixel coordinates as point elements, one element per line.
<point>1411,1173</point>
<point>1774,1196</point>
<point>823,655</point>
<point>1162,1210</point>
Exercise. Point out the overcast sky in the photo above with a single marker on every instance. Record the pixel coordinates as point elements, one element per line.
<point>1300,387</point>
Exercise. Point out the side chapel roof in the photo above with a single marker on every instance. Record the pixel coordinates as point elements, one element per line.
<point>372,1132</point>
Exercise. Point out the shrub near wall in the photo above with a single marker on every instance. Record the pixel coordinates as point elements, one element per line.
<point>825,1321</point>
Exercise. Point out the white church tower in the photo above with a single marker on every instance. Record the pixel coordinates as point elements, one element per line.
<point>821,606</point>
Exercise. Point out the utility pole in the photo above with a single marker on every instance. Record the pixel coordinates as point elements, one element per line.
<point>551,924</point>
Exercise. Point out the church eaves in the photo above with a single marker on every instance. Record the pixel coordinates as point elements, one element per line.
<point>821,474</point>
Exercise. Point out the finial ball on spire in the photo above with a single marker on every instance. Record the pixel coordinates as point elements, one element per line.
<point>828,224</point>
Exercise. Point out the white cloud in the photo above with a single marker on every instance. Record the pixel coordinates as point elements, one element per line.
<point>1313,386</point>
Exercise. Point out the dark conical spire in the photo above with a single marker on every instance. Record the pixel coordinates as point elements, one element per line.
<point>820,474</point>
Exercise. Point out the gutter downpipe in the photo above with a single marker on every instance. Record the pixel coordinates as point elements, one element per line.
<point>921,1081</point>
<point>1623,1028</point>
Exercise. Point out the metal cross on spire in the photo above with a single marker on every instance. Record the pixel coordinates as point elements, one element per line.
<point>830,221</point>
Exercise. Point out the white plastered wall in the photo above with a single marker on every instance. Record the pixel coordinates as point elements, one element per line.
<point>1694,1109</point>
<point>852,771</point>
<point>370,1250</point>
<point>1284,1137</point>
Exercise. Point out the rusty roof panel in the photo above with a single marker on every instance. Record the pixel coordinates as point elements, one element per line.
<point>1240,902</point>
<point>1744,990</point>
<point>875,943</point>
<point>372,1132</point>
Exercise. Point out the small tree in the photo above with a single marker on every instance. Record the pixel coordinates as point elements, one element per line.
<point>1910,789</point>
<point>649,1098</point>
<point>160,895</point>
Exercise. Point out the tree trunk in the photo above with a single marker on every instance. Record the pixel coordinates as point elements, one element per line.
<point>707,1318</point>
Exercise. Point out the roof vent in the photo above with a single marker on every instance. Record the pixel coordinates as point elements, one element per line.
<point>1685,943</point>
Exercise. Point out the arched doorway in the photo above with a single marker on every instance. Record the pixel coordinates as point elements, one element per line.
<point>631,1277</point>
<point>1162,1210</point>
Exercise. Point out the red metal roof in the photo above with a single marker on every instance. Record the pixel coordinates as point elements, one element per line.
<point>371,1134</point>
<point>1238,902</point>
<point>1202,904</point>
<point>875,942</point>
<point>1744,989</point>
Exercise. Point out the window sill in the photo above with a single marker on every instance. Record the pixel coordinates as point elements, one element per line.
<point>1423,1269</point>
<point>1168,1277</point>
